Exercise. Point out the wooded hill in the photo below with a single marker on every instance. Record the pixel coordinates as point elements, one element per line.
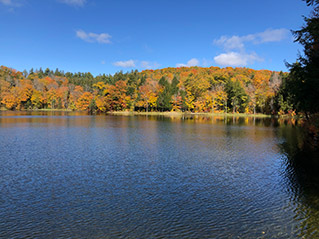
<point>194,89</point>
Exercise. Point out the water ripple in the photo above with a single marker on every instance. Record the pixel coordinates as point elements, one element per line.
<point>130,177</point>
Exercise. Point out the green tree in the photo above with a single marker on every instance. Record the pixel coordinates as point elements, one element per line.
<point>304,74</point>
<point>236,95</point>
<point>165,95</point>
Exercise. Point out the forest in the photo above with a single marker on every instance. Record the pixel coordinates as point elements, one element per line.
<point>193,89</point>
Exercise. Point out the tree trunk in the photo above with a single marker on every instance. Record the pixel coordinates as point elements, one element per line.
<point>213,105</point>
<point>225,103</point>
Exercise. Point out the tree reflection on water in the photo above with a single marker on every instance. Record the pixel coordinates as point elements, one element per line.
<point>302,174</point>
<point>295,172</point>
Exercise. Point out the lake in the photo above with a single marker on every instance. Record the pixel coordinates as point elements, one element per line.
<point>71,175</point>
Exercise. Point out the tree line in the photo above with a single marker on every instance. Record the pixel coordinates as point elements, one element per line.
<point>194,89</point>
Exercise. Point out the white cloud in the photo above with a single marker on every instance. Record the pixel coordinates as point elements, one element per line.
<point>137,63</point>
<point>76,3</point>
<point>235,46</point>
<point>229,43</point>
<point>191,62</point>
<point>149,65</point>
<point>125,64</point>
<point>102,38</point>
<point>270,35</point>
<point>238,42</point>
<point>236,59</point>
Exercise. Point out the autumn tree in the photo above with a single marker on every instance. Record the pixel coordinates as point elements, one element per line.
<point>211,89</point>
<point>84,101</point>
<point>9,100</point>
<point>117,95</point>
<point>148,94</point>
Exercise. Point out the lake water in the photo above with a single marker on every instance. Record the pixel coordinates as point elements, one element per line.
<point>68,175</point>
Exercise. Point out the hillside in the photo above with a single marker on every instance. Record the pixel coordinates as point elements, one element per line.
<point>193,89</point>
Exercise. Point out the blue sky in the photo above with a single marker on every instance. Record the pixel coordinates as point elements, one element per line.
<point>106,36</point>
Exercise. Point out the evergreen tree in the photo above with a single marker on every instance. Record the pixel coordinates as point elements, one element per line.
<point>164,97</point>
<point>236,96</point>
<point>304,74</point>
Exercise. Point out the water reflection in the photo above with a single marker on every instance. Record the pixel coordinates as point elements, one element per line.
<point>68,174</point>
<point>301,168</point>
<point>7,117</point>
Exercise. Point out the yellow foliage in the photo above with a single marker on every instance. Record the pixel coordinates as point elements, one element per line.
<point>9,101</point>
<point>84,101</point>
<point>100,104</point>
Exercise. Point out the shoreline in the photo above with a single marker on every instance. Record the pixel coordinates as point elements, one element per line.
<point>39,110</point>
<point>180,114</point>
<point>165,114</point>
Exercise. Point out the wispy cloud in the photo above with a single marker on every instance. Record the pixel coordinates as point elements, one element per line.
<point>102,38</point>
<point>125,64</point>
<point>236,59</point>
<point>272,35</point>
<point>235,46</point>
<point>75,3</point>
<point>138,64</point>
<point>11,3</point>
<point>6,2</point>
<point>149,65</point>
<point>238,42</point>
<point>191,62</point>
<point>230,43</point>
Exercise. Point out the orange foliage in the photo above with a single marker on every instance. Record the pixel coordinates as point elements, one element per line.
<point>83,101</point>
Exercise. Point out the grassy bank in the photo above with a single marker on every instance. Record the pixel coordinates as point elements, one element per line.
<point>153,113</point>
<point>51,110</point>
<point>37,110</point>
<point>180,114</point>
